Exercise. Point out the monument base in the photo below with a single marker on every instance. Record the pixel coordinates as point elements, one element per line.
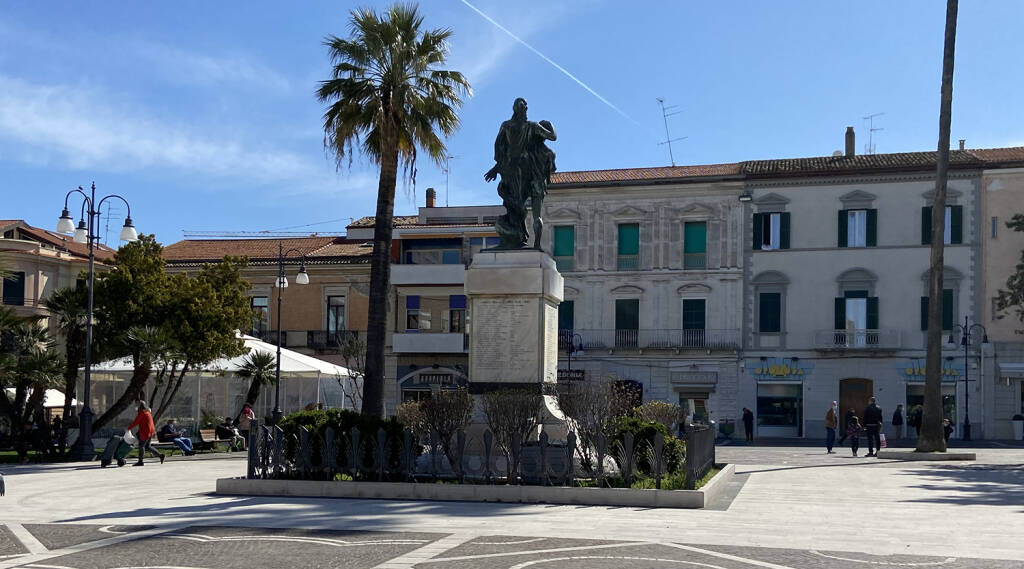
<point>513,328</point>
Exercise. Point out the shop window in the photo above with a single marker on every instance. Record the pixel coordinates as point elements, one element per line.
<point>695,408</point>
<point>779,405</point>
<point>771,231</point>
<point>695,245</point>
<point>915,400</point>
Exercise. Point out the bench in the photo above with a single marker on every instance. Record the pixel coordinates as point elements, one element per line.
<point>208,440</point>
<point>171,447</point>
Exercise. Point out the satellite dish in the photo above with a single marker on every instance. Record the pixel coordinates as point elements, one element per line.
<point>837,153</point>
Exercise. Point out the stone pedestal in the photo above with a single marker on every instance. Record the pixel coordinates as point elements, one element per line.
<point>513,327</point>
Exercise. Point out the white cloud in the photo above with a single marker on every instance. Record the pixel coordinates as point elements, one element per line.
<point>190,68</point>
<point>76,128</point>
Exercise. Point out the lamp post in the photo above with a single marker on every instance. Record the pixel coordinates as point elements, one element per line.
<point>966,330</point>
<point>574,346</point>
<point>282,283</point>
<point>86,233</point>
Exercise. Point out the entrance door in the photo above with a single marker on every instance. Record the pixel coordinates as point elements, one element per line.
<point>854,393</point>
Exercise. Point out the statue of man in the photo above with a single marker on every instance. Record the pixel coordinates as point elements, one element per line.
<point>525,164</point>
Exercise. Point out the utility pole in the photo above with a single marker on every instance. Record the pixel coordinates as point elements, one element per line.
<point>665,113</point>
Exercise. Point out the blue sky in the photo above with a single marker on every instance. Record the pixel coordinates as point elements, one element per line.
<point>203,115</point>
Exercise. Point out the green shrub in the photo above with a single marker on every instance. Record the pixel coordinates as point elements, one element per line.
<point>643,442</point>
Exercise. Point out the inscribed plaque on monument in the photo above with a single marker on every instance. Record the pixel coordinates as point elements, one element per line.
<point>550,343</point>
<point>504,340</point>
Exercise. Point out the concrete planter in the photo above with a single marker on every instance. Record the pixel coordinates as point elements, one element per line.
<point>483,493</point>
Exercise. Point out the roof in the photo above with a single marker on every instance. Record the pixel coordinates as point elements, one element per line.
<point>59,241</point>
<point>317,249</point>
<point>994,156</point>
<point>640,174</point>
<point>857,163</point>
<point>369,220</point>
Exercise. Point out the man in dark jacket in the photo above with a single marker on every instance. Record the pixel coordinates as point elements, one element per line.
<point>897,423</point>
<point>873,425</point>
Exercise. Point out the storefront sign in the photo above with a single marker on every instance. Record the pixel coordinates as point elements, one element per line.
<point>437,379</point>
<point>708,378</point>
<point>572,375</point>
<point>914,371</point>
<point>779,369</point>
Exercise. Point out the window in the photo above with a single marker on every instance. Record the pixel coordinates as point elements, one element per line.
<point>855,315</point>
<point>14,289</point>
<point>9,234</point>
<point>858,227</point>
<point>695,246</point>
<point>779,405</point>
<point>771,231</point>
<point>947,310</point>
<point>457,314</point>
<point>476,244</point>
<point>769,320</point>
<point>629,247</point>
<point>261,315</point>
<point>412,313</point>
<point>335,314</point>
<point>567,315</point>
<point>432,251</point>
<point>627,321</point>
<point>565,247</point>
<point>693,321</point>
<point>953,233</point>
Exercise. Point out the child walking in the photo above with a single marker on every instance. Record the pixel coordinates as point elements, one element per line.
<point>853,430</point>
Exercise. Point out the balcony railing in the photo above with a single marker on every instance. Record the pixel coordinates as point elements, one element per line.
<point>628,262</point>
<point>695,261</point>
<point>651,339</point>
<point>329,339</point>
<point>857,339</point>
<point>565,263</point>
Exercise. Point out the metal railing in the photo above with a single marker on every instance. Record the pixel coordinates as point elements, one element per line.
<point>695,261</point>
<point>856,339</point>
<point>627,262</point>
<point>326,454</point>
<point>675,339</point>
<point>329,339</point>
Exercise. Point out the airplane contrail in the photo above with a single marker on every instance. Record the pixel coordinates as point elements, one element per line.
<point>555,65</point>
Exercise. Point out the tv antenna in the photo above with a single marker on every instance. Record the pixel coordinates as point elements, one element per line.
<point>111,210</point>
<point>447,175</point>
<point>665,113</point>
<point>870,147</point>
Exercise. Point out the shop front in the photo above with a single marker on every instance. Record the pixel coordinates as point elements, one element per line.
<point>914,377</point>
<point>779,411</point>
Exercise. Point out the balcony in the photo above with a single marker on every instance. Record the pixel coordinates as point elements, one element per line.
<point>695,261</point>
<point>652,339</point>
<point>320,340</point>
<point>627,263</point>
<point>428,343</point>
<point>847,340</point>
<point>428,274</point>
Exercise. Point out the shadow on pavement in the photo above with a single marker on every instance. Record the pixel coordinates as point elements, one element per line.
<point>987,485</point>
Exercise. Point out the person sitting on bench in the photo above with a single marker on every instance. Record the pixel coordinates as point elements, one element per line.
<point>170,434</point>
<point>228,432</point>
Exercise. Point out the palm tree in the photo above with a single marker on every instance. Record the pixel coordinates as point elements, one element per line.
<point>259,368</point>
<point>932,438</point>
<point>68,305</point>
<point>388,96</point>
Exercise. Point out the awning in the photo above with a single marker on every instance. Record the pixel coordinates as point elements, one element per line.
<point>1014,370</point>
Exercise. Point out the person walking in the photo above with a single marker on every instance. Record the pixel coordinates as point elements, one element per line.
<point>947,429</point>
<point>748,424</point>
<point>831,422</point>
<point>850,414</point>
<point>144,421</point>
<point>915,420</point>
<point>170,434</point>
<point>897,423</point>
<point>873,426</point>
<point>853,430</point>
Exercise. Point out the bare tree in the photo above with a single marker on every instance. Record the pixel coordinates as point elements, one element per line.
<point>511,412</point>
<point>410,415</point>
<point>590,410</point>
<point>932,438</point>
<point>353,354</point>
<point>666,414</point>
<point>446,413</point>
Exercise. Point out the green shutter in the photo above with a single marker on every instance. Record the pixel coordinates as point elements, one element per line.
<point>695,237</point>
<point>956,224</point>
<point>926,225</point>
<point>872,313</point>
<point>629,239</point>
<point>947,309</point>
<point>872,236</point>
<point>627,314</point>
<point>758,229</point>
<point>565,240</point>
<point>566,315</point>
<point>840,321</point>
<point>843,227</point>
<point>924,313</point>
<point>770,316</point>
<point>784,230</point>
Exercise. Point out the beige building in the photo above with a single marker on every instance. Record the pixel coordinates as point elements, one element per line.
<point>1002,196</point>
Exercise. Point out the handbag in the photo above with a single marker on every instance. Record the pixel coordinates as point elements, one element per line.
<point>881,440</point>
<point>130,438</point>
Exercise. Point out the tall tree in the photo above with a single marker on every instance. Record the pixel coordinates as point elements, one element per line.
<point>28,366</point>
<point>258,368</point>
<point>68,305</point>
<point>387,96</point>
<point>932,438</point>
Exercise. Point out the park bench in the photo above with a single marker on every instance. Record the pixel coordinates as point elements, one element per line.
<point>208,440</point>
<point>171,447</point>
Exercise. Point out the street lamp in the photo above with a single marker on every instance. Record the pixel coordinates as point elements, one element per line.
<point>282,283</point>
<point>575,345</point>
<point>966,330</point>
<point>86,233</point>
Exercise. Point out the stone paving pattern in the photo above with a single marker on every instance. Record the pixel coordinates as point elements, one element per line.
<point>59,536</point>
<point>9,545</point>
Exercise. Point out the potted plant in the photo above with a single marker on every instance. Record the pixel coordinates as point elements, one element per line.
<point>1018,427</point>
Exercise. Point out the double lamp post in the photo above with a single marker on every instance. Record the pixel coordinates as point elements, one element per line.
<point>86,233</point>
<point>966,331</point>
<point>281,283</point>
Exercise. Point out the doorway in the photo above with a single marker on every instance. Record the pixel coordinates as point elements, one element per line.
<point>854,393</point>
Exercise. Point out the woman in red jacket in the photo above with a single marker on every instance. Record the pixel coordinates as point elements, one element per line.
<point>144,421</point>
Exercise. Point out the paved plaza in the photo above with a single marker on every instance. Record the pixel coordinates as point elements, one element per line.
<point>788,507</point>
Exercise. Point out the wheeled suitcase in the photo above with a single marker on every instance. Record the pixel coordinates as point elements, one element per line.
<point>116,449</point>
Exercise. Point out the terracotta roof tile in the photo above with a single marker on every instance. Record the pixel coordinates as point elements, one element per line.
<point>369,220</point>
<point>320,248</point>
<point>858,163</point>
<point>1011,154</point>
<point>641,174</point>
<point>59,241</point>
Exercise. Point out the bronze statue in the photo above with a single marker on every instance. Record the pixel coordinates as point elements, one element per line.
<point>525,164</point>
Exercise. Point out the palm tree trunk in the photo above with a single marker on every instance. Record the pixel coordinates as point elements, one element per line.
<point>169,392</point>
<point>73,361</point>
<point>380,280</point>
<point>131,395</point>
<point>932,439</point>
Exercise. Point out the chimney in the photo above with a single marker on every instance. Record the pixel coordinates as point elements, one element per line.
<point>962,142</point>
<point>431,197</point>
<point>851,142</point>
